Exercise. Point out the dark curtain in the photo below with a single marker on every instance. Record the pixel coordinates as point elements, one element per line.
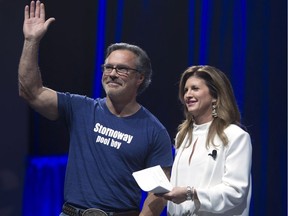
<point>246,39</point>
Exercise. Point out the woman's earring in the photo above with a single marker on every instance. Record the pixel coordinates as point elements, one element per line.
<point>214,111</point>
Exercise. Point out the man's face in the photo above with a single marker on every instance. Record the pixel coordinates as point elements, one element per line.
<point>122,86</point>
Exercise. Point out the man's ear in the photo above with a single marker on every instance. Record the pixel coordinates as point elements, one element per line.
<point>140,79</point>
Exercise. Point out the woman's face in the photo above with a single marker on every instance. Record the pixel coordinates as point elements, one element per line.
<point>198,100</point>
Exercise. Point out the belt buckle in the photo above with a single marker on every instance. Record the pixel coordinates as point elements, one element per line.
<point>94,212</point>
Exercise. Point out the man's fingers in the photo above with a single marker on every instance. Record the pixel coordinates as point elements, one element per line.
<point>26,12</point>
<point>38,9</point>
<point>32,9</point>
<point>48,22</point>
<point>42,11</point>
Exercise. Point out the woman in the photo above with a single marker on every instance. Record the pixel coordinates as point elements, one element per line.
<point>211,171</point>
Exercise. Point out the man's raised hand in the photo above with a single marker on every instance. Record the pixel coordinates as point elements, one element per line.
<point>35,25</point>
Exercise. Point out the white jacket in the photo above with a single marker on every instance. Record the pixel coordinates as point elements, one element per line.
<point>223,184</point>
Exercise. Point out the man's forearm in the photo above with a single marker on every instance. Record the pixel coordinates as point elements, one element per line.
<point>29,76</point>
<point>153,205</point>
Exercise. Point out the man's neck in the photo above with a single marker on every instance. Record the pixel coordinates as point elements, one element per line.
<point>122,108</point>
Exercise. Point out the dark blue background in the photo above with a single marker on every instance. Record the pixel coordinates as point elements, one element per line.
<point>247,39</point>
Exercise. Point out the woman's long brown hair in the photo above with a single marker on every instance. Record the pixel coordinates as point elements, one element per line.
<point>227,109</point>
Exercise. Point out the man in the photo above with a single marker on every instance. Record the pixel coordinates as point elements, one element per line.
<point>110,137</point>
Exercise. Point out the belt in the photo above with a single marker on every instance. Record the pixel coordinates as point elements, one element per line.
<point>75,211</point>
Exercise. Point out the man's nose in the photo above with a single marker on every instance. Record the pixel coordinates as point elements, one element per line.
<point>114,72</point>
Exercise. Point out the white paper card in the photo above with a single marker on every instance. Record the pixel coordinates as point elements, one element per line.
<point>152,179</point>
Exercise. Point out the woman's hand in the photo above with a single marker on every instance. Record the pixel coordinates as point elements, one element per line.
<point>177,195</point>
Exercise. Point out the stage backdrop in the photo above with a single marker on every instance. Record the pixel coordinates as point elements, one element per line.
<point>244,38</point>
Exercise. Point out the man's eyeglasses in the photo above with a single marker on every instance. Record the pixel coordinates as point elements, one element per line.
<point>120,70</point>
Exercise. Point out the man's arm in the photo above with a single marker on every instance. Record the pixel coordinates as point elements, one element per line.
<point>154,205</point>
<point>42,99</point>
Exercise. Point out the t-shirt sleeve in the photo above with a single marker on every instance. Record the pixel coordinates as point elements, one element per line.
<point>64,106</point>
<point>161,150</point>
<point>68,104</point>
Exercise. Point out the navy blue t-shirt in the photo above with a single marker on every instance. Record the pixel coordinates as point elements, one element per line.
<point>105,150</point>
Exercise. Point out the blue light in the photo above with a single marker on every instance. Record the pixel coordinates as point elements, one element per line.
<point>239,51</point>
<point>44,181</point>
<point>204,31</point>
<point>100,48</point>
<point>119,20</point>
<point>191,32</point>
